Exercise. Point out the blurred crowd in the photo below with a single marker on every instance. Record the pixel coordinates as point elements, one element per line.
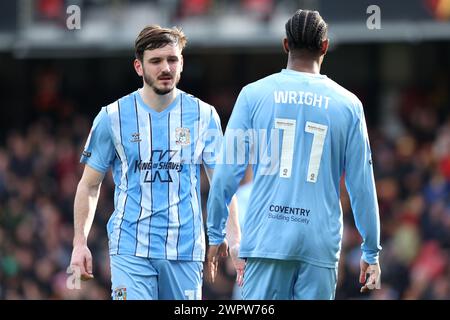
<point>260,12</point>
<point>412,175</point>
<point>39,172</point>
<point>54,10</point>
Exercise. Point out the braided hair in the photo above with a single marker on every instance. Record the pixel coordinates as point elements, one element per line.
<point>306,30</point>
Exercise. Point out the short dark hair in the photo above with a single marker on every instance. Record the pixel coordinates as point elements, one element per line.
<point>306,30</point>
<point>154,37</point>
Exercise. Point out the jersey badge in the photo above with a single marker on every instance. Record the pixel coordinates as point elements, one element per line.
<point>182,136</point>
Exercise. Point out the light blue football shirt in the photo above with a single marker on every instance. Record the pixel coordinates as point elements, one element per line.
<point>301,132</point>
<point>155,159</point>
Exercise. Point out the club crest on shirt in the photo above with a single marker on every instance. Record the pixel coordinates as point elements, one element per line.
<point>120,293</point>
<point>182,136</point>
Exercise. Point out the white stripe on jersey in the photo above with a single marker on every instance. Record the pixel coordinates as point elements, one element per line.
<point>201,131</point>
<point>113,111</point>
<point>174,187</point>
<point>143,228</point>
<point>197,218</point>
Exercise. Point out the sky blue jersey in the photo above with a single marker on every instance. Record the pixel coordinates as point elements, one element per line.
<point>301,132</point>
<point>155,159</point>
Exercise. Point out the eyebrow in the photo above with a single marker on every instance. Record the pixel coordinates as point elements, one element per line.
<point>162,57</point>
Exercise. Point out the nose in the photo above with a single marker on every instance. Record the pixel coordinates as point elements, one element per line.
<point>165,66</point>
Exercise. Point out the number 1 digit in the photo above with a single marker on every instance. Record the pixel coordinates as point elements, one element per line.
<point>319,131</point>
<point>287,146</point>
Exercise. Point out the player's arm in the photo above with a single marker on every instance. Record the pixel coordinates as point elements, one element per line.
<point>98,155</point>
<point>233,240</point>
<point>227,175</point>
<point>360,182</point>
<point>233,237</point>
<point>85,204</point>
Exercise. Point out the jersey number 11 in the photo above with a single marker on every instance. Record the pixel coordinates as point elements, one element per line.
<point>319,132</point>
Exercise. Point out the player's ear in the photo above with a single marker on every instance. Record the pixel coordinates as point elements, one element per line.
<point>285,45</point>
<point>181,63</point>
<point>324,48</point>
<point>138,67</point>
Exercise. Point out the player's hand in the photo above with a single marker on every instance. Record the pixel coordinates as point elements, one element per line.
<point>374,273</point>
<point>81,262</point>
<point>239,264</point>
<point>212,260</point>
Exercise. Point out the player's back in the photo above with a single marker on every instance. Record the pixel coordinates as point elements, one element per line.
<point>294,210</point>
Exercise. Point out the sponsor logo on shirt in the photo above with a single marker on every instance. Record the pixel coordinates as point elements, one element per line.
<point>289,214</point>
<point>159,166</point>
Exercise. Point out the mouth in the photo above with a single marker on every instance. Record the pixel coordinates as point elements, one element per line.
<point>165,78</point>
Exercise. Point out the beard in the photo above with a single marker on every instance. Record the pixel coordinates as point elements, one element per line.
<point>160,90</point>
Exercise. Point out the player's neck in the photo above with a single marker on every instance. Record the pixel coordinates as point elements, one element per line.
<point>304,65</point>
<point>156,101</point>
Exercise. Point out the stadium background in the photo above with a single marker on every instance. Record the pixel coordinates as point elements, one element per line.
<point>54,81</point>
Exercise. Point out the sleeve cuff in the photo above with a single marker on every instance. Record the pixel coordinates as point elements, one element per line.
<point>370,258</point>
<point>215,241</point>
<point>93,165</point>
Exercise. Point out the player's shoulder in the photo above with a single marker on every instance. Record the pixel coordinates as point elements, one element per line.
<point>262,83</point>
<point>258,90</point>
<point>126,101</point>
<point>191,100</point>
<point>342,94</point>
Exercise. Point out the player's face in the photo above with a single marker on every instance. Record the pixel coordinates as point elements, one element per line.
<point>162,68</point>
